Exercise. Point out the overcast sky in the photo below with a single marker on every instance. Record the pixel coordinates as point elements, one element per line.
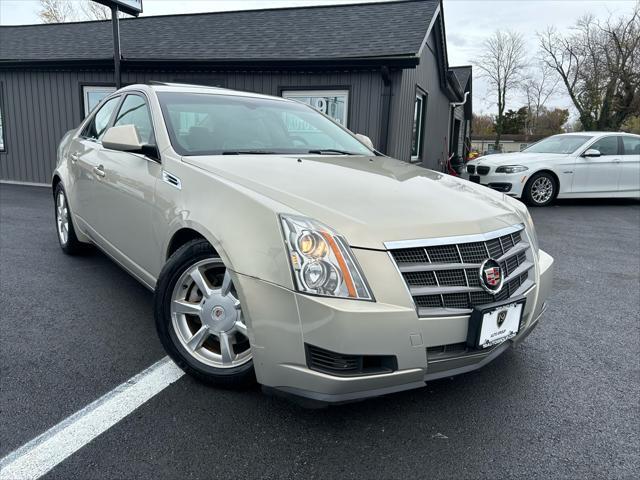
<point>468,23</point>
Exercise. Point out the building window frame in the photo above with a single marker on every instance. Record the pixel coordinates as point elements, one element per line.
<point>3,122</point>
<point>89,87</point>
<point>294,93</point>
<point>417,132</point>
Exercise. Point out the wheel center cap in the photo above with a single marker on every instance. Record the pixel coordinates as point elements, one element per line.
<point>218,313</point>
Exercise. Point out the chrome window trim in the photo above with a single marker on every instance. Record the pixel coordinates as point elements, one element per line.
<point>430,242</point>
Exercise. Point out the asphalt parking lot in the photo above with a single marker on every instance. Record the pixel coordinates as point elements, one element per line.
<point>565,404</point>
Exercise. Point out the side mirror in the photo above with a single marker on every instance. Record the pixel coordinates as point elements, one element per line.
<point>592,152</point>
<point>123,138</point>
<point>366,140</point>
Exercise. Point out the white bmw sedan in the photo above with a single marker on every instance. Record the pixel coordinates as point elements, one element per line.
<point>570,165</point>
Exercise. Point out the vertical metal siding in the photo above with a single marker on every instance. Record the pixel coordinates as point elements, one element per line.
<point>436,124</point>
<point>40,106</point>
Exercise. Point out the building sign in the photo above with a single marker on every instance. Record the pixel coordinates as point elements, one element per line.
<point>132,7</point>
<point>333,103</point>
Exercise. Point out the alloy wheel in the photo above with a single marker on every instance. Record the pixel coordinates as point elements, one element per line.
<point>62,218</point>
<point>542,190</point>
<point>206,316</point>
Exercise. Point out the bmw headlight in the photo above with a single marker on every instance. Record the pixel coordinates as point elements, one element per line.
<point>511,169</point>
<point>321,260</point>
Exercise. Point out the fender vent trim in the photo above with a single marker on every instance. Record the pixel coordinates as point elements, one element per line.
<point>171,179</point>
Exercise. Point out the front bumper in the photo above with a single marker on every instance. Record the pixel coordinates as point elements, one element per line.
<point>511,184</point>
<point>282,322</point>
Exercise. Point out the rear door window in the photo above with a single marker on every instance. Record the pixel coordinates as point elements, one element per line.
<point>631,145</point>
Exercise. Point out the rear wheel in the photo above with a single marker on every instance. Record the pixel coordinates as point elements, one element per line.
<point>540,190</point>
<point>199,317</point>
<point>64,225</point>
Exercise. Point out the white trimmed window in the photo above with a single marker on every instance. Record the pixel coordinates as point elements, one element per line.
<point>334,103</point>
<point>1,130</point>
<point>92,96</point>
<point>418,120</point>
<point>1,125</point>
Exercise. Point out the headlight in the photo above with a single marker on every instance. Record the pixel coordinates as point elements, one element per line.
<point>511,169</point>
<point>321,260</point>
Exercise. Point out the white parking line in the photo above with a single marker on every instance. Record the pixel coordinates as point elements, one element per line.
<point>44,452</point>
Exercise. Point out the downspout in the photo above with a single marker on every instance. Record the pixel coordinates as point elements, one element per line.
<point>459,104</point>
<point>453,106</point>
<point>386,109</point>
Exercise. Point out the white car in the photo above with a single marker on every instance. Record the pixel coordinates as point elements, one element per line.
<point>570,165</point>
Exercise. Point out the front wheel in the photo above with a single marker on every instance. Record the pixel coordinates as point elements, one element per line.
<point>199,317</point>
<point>540,190</point>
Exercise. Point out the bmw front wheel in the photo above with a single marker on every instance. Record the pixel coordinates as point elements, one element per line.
<point>540,190</point>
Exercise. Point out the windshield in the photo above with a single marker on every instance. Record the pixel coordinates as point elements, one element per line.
<point>209,124</point>
<point>559,144</point>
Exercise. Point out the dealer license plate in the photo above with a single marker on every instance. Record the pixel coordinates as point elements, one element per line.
<point>474,178</point>
<point>499,324</point>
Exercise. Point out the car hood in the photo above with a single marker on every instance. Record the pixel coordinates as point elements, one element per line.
<point>516,158</point>
<point>368,200</point>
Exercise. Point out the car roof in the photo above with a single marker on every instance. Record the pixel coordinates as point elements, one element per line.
<point>595,134</point>
<point>189,88</point>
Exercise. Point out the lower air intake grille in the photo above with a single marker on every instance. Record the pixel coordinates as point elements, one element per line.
<point>340,364</point>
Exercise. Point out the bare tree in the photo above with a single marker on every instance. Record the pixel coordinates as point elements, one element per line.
<point>538,85</point>
<point>599,65</point>
<point>483,125</point>
<point>59,11</point>
<point>95,11</point>
<point>502,63</point>
<point>56,11</point>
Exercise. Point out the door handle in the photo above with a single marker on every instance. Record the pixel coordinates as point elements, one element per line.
<point>99,171</point>
<point>74,157</point>
<point>616,160</point>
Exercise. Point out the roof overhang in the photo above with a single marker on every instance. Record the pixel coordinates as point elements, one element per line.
<point>398,62</point>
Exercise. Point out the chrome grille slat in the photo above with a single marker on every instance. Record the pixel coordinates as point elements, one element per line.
<point>446,280</point>
<point>419,267</point>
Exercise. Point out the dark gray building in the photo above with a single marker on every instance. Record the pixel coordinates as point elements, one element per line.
<point>380,69</point>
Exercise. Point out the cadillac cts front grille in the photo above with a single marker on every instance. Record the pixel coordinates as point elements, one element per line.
<point>443,274</point>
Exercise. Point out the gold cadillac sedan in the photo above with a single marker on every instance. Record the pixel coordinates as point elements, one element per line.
<point>282,248</point>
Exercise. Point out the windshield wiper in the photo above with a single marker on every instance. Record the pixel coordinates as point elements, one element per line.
<point>329,151</point>
<point>248,152</point>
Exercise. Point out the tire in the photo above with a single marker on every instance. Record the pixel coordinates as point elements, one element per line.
<point>203,333</point>
<point>64,224</point>
<point>540,190</point>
